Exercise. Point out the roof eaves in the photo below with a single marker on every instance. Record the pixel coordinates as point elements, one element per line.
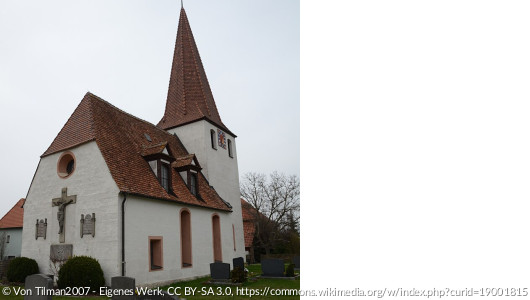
<point>178,202</point>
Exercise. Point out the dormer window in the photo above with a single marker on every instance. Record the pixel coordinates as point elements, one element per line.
<point>162,172</point>
<point>164,176</point>
<point>159,159</point>
<point>189,169</point>
<point>193,183</point>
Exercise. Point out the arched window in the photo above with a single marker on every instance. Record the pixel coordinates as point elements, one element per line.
<point>230,149</point>
<point>185,237</point>
<point>213,139</point>
<point>216,227</point>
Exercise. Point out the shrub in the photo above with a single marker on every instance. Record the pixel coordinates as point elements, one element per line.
<point>21,267</point>
<point>290,271</point>
<point>238,275</point>
<point>81,271</point>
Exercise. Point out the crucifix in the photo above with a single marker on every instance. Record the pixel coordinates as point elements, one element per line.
<point>62,203</point>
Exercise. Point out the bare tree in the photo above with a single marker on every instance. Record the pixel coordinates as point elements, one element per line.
<point>275,205</point>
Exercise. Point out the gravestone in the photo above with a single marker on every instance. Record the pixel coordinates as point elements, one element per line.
<point>238,262</point>
<point>123,283</point>
<point>33,282</point>
<point>272,267</point>
<point>40,228</point>
<point>88,225</point>
<point>61,252</point>
<point>296,262</point>
<point>220,271</point>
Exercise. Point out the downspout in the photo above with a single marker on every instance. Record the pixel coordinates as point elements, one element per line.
<point>123,234</point>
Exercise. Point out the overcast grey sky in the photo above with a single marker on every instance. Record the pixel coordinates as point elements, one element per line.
<point>53,52</point>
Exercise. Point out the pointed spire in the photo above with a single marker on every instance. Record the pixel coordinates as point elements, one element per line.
<point>189,96</point>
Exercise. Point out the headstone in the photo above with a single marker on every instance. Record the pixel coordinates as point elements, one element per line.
<point>296,262</point>
<point>272,267</point>
<point>238,262</point>
<point>40,228</point>
<point>88,224</point>
<point>220,271</point>
<point>123,283</point>
<point>33,282</point>
<point>61,252</point>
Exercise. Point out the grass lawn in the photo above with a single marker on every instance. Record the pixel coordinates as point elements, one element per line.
<point>260,285</point>
<point>203,291</point>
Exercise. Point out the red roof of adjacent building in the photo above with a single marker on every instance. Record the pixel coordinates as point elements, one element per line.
<point>249,228</point>
<point>189,96</point>
<point>14,217</point>
<point>122,140</point>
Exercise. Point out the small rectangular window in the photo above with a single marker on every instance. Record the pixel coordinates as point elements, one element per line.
<point>230,148</point>
<point>155,254</point>
<point>8,238</point>
<point>213,139</point>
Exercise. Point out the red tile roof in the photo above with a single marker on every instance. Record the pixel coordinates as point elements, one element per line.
<point>184,160</point>
<point>247,210</point>
<point>249,228</point>
<point>14,217</point>
<point>122,140</point>
<point>189,96</point>
<point>155,149</point>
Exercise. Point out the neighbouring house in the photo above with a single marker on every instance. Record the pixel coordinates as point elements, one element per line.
<point>249,227</point>
<point>11,231</point>
<point>155,202</point>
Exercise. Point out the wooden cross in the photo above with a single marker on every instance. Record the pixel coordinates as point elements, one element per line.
<point>62,203</point>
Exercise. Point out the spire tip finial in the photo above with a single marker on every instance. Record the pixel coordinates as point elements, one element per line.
<point>181,4</point>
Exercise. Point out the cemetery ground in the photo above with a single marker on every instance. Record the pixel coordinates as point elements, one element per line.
<point>252,283</point>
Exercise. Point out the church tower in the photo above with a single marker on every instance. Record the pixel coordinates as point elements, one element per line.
<point>192,115</point>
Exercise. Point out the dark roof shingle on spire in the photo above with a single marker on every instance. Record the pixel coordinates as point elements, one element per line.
<point>189,96</point>
<point>121,138</point>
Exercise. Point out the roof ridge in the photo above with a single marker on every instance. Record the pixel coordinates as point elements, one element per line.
<point>124,112</point>
<point>191,40</point>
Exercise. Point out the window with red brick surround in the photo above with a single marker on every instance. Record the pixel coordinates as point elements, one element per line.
<point>185,238</point>
<point>216,228</point>
<point>156,253</point>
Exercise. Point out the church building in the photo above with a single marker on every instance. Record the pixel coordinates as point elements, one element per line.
<point>155,202</point>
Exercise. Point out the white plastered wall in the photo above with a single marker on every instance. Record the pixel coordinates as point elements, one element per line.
<point>96,193</point>
<point>15,241</point>
<point>146,217</point>
<point>222,173</point>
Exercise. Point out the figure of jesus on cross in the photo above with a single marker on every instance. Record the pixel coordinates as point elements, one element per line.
<point>62,203</point>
